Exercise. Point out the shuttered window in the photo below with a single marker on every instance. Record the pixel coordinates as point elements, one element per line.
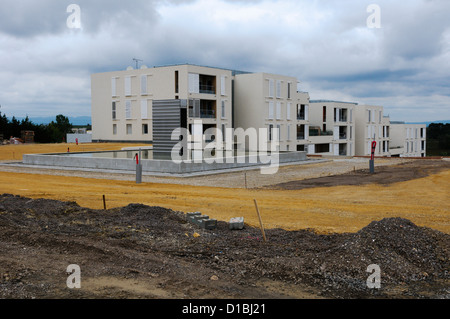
<point>223,90</point>
<point>128,86</point>
<point>271,110</point>
<point>278,89</point>
<point>194,83</point>
<point>271,87</point>
<point>223,109</point>
<point>128,109</point>
<point>144,110</point>
<point>114,87</point>
<point>143,84</point>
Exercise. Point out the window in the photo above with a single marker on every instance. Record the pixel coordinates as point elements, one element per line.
<point>129,129</point>
<point>114,113</point>
<point>370,115</point>
<point>128,109</point>
<point>301,112</point>
<point>278,131</point>
<point>128,86</point>
<point>289,90</point>
<point>144,110</point>
<point>270,132</point>
<point>144,129</point>
<point>114,87</point>
<point>194,108</point>
<point>223,91</point>
<point>223,132</point>
<point>114,129</point>
<point>143,84</point>
<point>223,109</point>
<point>194,83</point>
<point>271,84</point>
<point>271,110</point>
<point>278,89</point>
<point>301,132</point>
<point>288,111</point>
<point>278,111</point>
<point>176,81</point>
<point>288,132</point>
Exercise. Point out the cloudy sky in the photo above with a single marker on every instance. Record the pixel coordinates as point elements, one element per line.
<point>404,65</point>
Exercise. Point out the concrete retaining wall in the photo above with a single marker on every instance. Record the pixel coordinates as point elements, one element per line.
<point>156,166</point>
<point>82,138</point>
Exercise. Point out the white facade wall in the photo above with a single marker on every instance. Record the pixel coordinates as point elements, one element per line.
<point>335,123</point>
<point>269,101</point>
<point>372,125</point>
<point>122,111</point>
<point>409,138</point>
<point>122,100</point>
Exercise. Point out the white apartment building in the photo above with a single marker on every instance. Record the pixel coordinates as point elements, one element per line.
<point>371,125</point>
<point>332,128</point>
<point>135,105</point>
<point>408,140</point>
<point>272,101</point>
<point>122,101</point>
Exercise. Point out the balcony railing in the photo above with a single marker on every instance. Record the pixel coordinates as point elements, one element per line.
<point>321,133</point>
<point>343,136</point>
<point>207,114</point>
<point>207,89</point>
<point>300,136</point>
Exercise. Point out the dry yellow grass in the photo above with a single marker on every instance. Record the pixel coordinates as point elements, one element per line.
<point>15,152</point>
<point>424,201</point>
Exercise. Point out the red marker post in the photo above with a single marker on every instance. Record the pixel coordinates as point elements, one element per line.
<point>138,168</point>
<point>372,158</point>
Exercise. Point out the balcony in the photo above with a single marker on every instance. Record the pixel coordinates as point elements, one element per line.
<point>207,84</point>
<point>207,89</point>
<point>204,109</point>
<point>207,114</point>
<point>343,132</point>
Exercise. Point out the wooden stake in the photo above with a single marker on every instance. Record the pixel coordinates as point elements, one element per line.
<point>260,221</point>
<point>245,180</point>
<point>104,202</point>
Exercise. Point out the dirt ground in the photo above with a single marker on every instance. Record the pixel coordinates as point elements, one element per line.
<point>325,223</point>
<point>150,252</point>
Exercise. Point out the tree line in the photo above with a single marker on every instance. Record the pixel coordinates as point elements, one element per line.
<point>438,139</point>
<point>54,132</point>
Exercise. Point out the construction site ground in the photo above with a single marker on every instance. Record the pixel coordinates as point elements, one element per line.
<point>325,223</point>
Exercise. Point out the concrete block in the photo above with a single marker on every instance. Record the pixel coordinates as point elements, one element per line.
<point>189,216</point>
<point>202,221</point>
<point>236,223</point>
<point>209,224</point>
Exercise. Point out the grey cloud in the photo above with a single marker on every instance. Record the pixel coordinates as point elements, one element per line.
<point>29,18</point>
<point>416,32</point>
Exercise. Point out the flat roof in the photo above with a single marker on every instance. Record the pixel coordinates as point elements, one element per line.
<point>331,101</point>
<point>204,66</point>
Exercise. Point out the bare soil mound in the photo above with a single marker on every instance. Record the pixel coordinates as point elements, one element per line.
<point>172,258</point>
